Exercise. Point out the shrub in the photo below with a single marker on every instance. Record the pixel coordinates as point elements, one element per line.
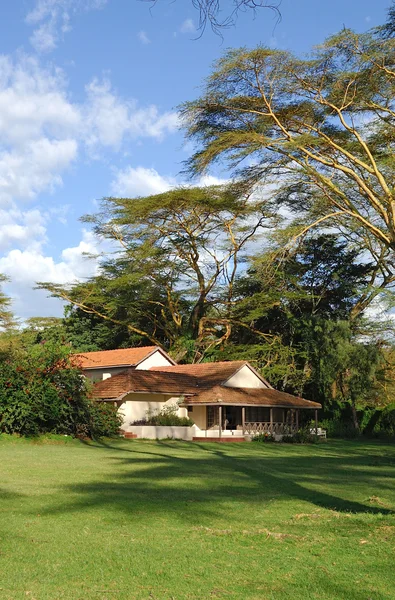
<point>303,436</point>
<point>166,417</point>
<point>263,437</point>
<point>42,391</point>
<point>338,428</point>
<point>105,421</point>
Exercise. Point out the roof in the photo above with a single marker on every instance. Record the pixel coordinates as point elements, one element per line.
<point>221,395</point>
<point>210,374</point>
<point>184,384</point>
<point>135,381</point>
<point>124,357</point>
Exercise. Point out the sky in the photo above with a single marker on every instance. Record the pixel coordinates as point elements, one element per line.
<point>89,91</point>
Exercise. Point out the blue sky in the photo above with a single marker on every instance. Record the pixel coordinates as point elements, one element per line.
<point>88,97</point>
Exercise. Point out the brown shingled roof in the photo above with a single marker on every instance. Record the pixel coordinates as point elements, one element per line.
<point>210,374</point>
<point>133,380</point>
<point>248,396</point>
<point>128,357</point>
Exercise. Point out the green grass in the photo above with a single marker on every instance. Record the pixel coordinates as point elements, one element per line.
<point>175,520</point>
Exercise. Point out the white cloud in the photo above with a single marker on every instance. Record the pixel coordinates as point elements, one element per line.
<point>26,267</point>
<point>52,19</point>
<point>140,181</point>
<point>25,173</point>
<point>143,37</point>
<point>109,118</point>
<point>188,26</point>
<point>23,229</point>
<point>42,133</point>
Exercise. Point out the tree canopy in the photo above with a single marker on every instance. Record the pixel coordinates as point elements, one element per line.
<point>320,131</point>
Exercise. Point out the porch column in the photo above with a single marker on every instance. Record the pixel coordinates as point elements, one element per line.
<point>220,421</point>
<point>243,418</point>
<point>316,422</point>
<point>297,419</point>
<point>271,421</point>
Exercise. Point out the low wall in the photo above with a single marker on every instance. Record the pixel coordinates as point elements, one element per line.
<point>157,432</point>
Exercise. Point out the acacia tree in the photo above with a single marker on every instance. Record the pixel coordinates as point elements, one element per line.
<point>6,318</point>
<point>175,262</point>
<point>320,130</point>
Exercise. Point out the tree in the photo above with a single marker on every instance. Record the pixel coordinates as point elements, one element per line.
<point>321,131</point>
<point>176,258</point>
<point>304,300</point>
<point>6,317</point>
<point>210,11</point>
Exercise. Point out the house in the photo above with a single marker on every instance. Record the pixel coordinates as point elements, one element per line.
<point>104,364</point>
<point>226,400</point>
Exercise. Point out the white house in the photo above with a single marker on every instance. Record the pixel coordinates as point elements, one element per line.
<point>226,400</point>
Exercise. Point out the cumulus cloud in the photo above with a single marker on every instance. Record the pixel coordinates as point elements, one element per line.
<point>26,267</point>
<point>42,133</point>
<point>141,181</point>
<point>108,118</point>
<point>52,19</point>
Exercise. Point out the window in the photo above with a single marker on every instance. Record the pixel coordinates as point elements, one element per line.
<point>212,416</point>
<point>257,414</point>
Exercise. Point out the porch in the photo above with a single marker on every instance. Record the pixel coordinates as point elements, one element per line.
<point>235,422</point>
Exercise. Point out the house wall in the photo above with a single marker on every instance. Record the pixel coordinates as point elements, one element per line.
<point>198,415</point>
<point>99,374</point>
<point>159,432</point>
<point>155,360</point>
<point>245,378</point>
<point>136,406</point>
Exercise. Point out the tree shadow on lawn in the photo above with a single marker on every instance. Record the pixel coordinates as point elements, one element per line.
<point>195,482</point>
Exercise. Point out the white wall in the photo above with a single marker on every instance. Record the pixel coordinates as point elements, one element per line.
<point>99,374</point>
<point>155,360</point>
<point>245,378</point>
<point>136,406</point>
<point>159,432</point>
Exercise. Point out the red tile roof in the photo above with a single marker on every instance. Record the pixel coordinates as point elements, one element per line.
<point>128,357</point>
<point>135,380</point>
<point>208,374</point>
<point>248,396</point>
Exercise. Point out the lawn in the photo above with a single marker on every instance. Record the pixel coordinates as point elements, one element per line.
<point>175,520</point>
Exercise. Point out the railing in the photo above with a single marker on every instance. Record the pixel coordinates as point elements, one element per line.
<point>278,428</point>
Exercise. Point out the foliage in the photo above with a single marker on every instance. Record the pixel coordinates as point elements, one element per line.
<point>167,416</point>
<point>173,276</point>
<point>104,419</point>
<point>263,437</point>
<point>320,130</point>
<point>42,391</point>
<point>6,317</point>
<point>303,436</point>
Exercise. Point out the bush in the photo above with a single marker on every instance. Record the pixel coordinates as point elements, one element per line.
<point>337,428</point>
<point>303,436</point>
<point>263,437</point>
<point>42,391</point>
<point>105,421</point>
<point>167,417</point>
<point>385,426</point>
